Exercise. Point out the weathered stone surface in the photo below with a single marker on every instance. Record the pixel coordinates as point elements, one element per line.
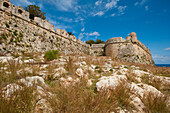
<point>131,49</point>
<point>110,81</point>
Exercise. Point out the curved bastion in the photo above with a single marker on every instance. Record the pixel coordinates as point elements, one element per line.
<point>131,49</point>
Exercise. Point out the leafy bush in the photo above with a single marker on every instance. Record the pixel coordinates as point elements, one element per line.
<point>51,55</point>
<point>7,25</point>
<point>15,33</point>
<point>4,36</point>
<point>15,25</point>
<point>20,34</point>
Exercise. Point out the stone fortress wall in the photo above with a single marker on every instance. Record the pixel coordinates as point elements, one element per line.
<point>26,35</point>
<point>130,49</point>
<point>11,13</point>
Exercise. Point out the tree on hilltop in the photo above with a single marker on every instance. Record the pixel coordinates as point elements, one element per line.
<point>35,12</point>
<point>98,41</point>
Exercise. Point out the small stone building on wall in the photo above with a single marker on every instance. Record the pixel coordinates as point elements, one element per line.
<point>7,6</point>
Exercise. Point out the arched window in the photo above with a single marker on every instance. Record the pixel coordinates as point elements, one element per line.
<point>20,11</point>
<point>5,4</point>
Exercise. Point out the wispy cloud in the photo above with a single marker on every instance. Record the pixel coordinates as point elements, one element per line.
<point>98,2</point>
<point>140,3</point>
<point>100,13</point>
<point>23,3</point>
<point>121,9</point>
<point>87,35</point>
<point>65,5</point>
<point>167,48</point>
<point>82,29</point>
<point>161,58</point>
<point>136,3</point>
<point>111,4</point>
<point>93,34</point>
<point>143,2</point>
<point>113,14</point>
<point>59,25</point>
<point>65,19</point>
<point>146,8</point>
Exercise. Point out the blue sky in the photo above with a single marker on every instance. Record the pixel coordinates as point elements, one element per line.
<point>104,19</point>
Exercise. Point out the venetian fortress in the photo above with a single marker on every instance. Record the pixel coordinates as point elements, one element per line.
<point>21,34</point>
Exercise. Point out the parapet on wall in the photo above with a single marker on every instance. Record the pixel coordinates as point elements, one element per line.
<point>130,49</point>
<point>18,11</point>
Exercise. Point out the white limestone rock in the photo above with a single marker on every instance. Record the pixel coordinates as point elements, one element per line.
<point>140,73</point>
<point>110,81</point>
<point>79,72</point>
<point>5,59</point>
<point>30,81</point>
<point>43,106</point>
<point>58,72</point>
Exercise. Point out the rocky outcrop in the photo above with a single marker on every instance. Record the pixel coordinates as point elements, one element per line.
<point>131,49</point>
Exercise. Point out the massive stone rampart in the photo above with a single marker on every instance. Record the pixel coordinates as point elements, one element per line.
<point>35,35</point>
<point>130,49</point>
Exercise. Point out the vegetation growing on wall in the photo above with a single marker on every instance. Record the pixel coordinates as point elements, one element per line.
<point>98,41</point>
<point>35,12</point>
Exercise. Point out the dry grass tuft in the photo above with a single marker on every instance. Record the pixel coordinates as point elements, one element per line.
<point>21,101</point>
<point>70,66</point>
<point>80,98</point>
<point>155,103</point>
<point>132,77</point>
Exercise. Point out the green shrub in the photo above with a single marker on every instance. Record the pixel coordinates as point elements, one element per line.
<point>51,55</point>
<point>7,25</point>
<point>15,25</point>
<point>4,36</point>
<point>20,34</point>
<point>11,40</point>
<point>15,33</point>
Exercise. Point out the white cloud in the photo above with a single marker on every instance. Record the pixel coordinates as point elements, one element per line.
<point>22,3</point>
<point>161,58</point>
<point>65,19</point>
<point>98,2</point>
<point>113,14</point>
<point>87,35</point>
<point>82,29</point>
<point>81,35</point>
<point>65,5</point>
<point>100,13</point>
<point>52,21</point>
<point>167,48</point>
<point>143,2</point>
<point>94,34</point>
<point>146,8</point>
<point>121,9</point>
<point>111,4</point>
<point>136,3</point>
<point>58,25</point>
